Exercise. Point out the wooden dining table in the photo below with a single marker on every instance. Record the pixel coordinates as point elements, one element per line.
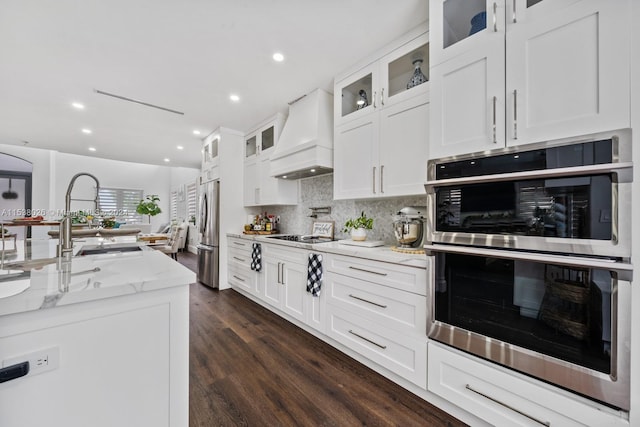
<point>153,238</point>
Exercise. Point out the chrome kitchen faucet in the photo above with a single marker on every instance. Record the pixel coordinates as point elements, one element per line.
<point>64,237</point>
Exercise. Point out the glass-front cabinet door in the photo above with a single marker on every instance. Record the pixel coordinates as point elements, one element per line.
<point>357,94</point>
<point>251,146</point>
<point>405,71</point>
<point>267,138</point>
<point>456,26</point>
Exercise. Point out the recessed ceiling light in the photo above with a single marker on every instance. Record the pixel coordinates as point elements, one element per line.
<point>77,105</point>
<point>284,176</point>
<point>180,147</point>
<point>92,149</point>
<point>278,57</point>
<point>167,160</point>
<point>87,131</point>
<point>234,97</point>
<point>312,170</point>
<point>196,132</point>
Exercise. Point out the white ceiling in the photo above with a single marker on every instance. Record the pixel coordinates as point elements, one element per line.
<point>185,55</point>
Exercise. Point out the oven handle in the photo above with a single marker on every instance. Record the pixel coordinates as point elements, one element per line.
<point>624,271</point>
<point>624,172</point>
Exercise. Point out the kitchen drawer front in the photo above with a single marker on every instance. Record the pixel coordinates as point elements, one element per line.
<point>502,399</point>
<point>242,277</point>
<point>285,254</point>
<point>411,279</point>
<point>240,244</point>
<point>239,257</point>
<point>402,354</point>
<point>403,311</point>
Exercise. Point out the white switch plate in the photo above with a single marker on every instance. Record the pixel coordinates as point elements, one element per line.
<point>39,361</point>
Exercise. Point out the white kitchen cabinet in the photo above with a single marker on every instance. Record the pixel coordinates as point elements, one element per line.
<point>286,284</point>
<point>380,145</point>
<point>260,188</point>
<point>540,70</point>
<point>372,308</point>
<point>240,275</point>
<point>504,398</point>
<point>210,169</point>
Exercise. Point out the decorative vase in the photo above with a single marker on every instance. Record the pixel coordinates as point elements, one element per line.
<point>418,77</point>
<point>363,101</point>
<point>478,23</point>
<point>358,234</point>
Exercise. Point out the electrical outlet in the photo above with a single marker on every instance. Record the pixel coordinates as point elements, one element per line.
<point>39,361</point>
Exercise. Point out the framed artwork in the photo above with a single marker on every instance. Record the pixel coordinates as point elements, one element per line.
<point>323,229</point>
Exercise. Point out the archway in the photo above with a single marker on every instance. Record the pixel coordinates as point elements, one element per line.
<point>15,191</point>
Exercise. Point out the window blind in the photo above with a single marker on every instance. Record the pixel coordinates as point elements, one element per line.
<point>173,204</point>
<point>192,198</point>
<point>120,203</point>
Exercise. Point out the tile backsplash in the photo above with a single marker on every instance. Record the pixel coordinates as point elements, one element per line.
<point>318,192</point>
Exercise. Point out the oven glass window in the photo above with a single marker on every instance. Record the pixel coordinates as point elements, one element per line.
<point>573,207</point>
<point>550,309</point>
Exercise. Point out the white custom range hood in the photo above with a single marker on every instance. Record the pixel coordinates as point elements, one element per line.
<point>305,147</point>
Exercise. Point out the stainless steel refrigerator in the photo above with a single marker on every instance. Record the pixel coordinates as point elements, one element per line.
<point>209,228</point>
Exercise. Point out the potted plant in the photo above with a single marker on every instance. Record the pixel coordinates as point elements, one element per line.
<point>358,227</point>
<point>149,206</point>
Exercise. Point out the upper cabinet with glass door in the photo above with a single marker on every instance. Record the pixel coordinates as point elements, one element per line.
<point>262,140</point>
<point>210,158</point>
<point>461,25</point>
<point>384,82</point>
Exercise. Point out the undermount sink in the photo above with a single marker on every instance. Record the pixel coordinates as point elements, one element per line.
<point>108,249</point>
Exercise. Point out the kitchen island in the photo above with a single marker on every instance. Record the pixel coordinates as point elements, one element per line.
<point>105,335</point>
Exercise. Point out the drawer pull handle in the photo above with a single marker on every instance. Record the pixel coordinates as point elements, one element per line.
<point>368,340</point>
<point>239,259</point>
<point>367,271</point>
<point>370,302</point>
<point>544,423</point>
<point>239,278</point>
<point>238,243</point>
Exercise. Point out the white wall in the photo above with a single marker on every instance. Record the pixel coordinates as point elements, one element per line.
<point>52,172</point>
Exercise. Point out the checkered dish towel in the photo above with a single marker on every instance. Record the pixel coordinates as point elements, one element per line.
<point>314,274</point>
<point>256,257</point>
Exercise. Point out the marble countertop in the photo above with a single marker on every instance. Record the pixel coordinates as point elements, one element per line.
<point>54,282</point>
<point>380,253</point>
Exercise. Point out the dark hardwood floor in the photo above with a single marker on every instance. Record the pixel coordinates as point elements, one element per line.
<point>249,367</point>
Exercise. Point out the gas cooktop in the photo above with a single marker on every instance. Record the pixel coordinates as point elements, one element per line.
<point>302,238</point>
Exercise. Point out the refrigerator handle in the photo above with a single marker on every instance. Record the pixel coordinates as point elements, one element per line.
<point>205,248</point>
<point>203,213</point>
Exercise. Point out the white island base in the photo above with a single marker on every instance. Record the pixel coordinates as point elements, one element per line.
<point>120,360</point>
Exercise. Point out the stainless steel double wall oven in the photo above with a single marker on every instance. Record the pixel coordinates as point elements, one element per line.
<point>531,250</point>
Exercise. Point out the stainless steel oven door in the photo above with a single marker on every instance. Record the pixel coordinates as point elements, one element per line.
<point>473,307</point>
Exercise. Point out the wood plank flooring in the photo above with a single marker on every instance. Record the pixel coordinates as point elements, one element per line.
<point>249,367</point>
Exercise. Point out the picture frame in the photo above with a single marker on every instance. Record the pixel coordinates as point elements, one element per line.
<point>323,229</point>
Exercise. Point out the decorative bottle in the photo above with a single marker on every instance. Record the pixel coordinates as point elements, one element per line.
<point>418,77</point>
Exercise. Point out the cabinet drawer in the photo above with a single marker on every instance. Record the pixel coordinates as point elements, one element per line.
<point>402,354</point>
<point>411,279</point>
<point>240,244</point>
<point>239,257</point>
<point>242,277</point>
<point>501,398</point>
<point>403,311</point>
<point>285,254</point>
